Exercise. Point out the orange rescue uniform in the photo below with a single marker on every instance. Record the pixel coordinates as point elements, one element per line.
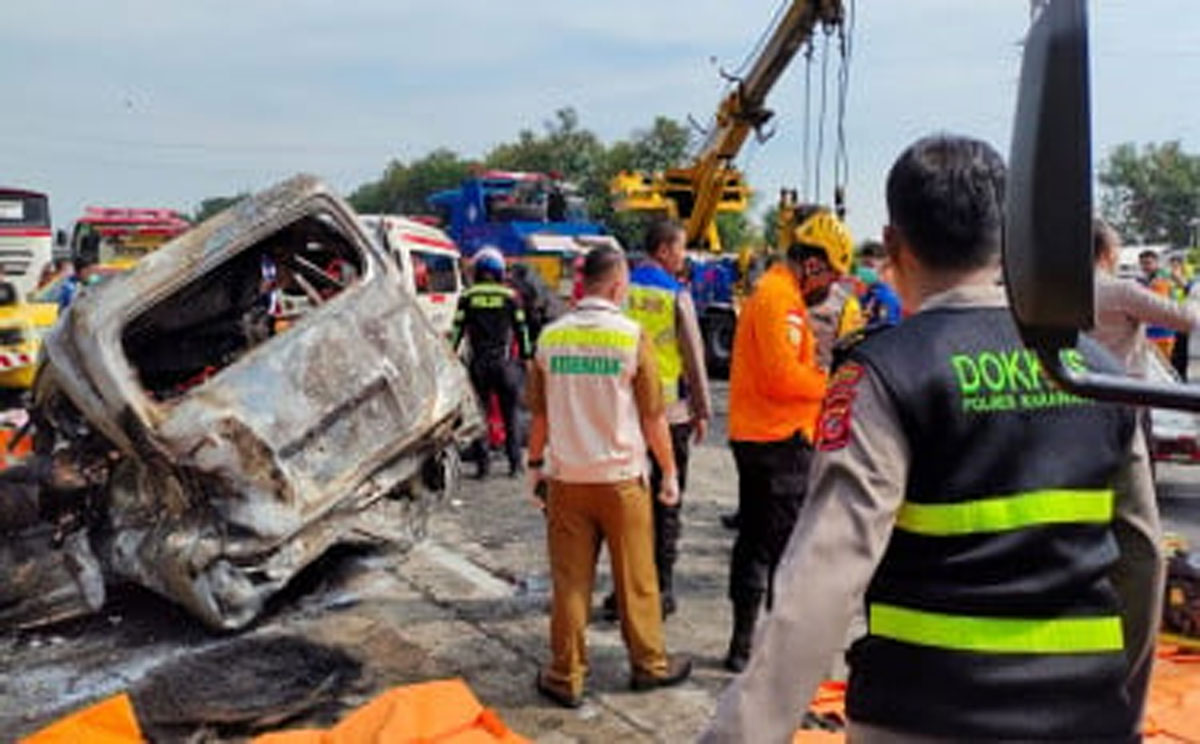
<point>775,384</point>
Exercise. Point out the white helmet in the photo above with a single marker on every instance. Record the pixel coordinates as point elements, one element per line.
<point>489,258</point>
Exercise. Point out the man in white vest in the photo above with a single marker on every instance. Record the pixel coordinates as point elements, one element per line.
<point>596,400</point>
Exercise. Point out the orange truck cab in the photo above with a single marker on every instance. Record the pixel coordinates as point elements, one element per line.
<point>120,236</point>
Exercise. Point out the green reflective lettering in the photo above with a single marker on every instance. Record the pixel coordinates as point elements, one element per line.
<point>992,372</point>
<point>966,372</point>
<point>1073,360</point>
<point>565,364</point>
<point>1017,371</point>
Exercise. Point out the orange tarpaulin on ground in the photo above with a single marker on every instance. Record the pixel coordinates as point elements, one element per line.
<point>819,737</point>
<point>1172,711</point>
<point>444,712</point>
<point>111,721</point>
<point>447,712</point>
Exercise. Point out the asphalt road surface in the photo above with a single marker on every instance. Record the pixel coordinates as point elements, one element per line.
<point>471,602</point>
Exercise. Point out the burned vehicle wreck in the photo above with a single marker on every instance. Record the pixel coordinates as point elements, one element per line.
<point>251,394</point>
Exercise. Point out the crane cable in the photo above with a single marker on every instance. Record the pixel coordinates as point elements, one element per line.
<point>806,162</point>
<point>841,160</point>
<point>822,116</point>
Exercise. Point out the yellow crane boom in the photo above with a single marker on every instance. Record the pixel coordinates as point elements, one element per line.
<point>710,184</point>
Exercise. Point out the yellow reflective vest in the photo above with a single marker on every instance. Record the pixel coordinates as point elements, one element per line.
<point>652,304</point>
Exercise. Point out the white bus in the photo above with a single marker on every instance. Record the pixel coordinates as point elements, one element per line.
<point>25,243</point>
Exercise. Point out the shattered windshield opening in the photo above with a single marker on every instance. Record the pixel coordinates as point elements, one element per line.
<point>192,335</point>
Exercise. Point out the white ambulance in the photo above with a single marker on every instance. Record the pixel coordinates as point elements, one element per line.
<point>429,261</point>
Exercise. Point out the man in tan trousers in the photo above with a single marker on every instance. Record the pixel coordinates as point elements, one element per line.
<point>597,402</point>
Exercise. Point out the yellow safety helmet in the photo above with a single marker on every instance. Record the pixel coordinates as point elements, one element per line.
<point>825,231</point>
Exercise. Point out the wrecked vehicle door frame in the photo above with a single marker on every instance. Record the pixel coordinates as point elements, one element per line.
<point>104,330</point>
<point>89,364</point>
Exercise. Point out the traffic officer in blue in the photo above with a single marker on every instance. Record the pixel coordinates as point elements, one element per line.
<point>489,314</point>
<point>663,307</point>
<point>1001,532</point>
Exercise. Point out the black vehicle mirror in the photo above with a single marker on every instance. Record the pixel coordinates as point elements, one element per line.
<point>1048,233</point>
<point>1048,263</point>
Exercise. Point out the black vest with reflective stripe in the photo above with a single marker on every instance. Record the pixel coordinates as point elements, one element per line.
<point>487,313</point>
<point>992,614</point>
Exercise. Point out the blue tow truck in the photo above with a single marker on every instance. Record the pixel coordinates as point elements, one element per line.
<point>534,218</point>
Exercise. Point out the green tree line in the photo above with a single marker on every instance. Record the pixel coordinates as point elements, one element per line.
<point>1150,194</point>
<point>564,146</point>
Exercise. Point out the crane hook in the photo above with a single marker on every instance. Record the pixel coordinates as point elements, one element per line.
<point>763,133</point>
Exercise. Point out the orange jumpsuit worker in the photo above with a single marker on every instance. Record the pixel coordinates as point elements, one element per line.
<point>596,399</point>
<point>775,389</point>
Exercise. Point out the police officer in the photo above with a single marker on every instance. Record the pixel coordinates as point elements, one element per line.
<point>490,316</point>
<point>663,308</point>
<point>1004,531</point>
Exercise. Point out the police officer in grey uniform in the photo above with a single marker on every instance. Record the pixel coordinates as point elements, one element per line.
<point>1001,533</point>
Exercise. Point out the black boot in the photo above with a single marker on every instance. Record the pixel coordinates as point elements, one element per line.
<point>731,521</point>
<point>666,590</point>
<point>479,454</point>
<point>608,610</point>
<point>745,613</point>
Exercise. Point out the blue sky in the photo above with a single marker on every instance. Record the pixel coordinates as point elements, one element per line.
<point>165,102</point>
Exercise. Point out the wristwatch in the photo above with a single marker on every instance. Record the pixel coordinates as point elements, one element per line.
<point>537,464</point>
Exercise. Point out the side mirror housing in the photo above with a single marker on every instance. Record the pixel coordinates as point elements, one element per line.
<point>1048,262</point>
<point>1049,268</point>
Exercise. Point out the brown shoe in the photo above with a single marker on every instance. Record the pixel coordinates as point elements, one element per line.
<point>556,692</point>
<point>679,668</point>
